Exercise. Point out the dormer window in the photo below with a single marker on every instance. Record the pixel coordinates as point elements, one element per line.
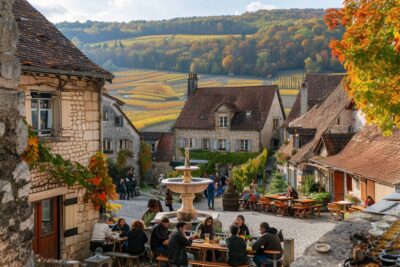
<point>223,121</point>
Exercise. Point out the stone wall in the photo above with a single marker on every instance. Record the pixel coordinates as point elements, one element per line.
<point>115,134</point>
<point>16,212</point>
<point>77,131</point>
<point>268,132</point>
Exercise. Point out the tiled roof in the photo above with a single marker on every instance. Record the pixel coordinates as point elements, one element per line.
<point>370,155</point>
<point>165,147</point>
<point>321,118</point>
<point>335,142</point>
<point>319,86</point>
<point>251,106</point>
<point>150,136</point>
<point>42,47</point>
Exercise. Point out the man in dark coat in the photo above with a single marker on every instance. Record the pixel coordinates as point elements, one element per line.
<point>177,244</point>
<point>269,240</point>
<point>236,248</point>
<point>159,237</point>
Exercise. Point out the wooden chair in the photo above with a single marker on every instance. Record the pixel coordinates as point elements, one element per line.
<point>281,207</point>
<point>275,261</point>
<point>317,209</point>
<point>299,210</point>
<point>251,203</point>
<point>264,204</point>
<point>334,211</point>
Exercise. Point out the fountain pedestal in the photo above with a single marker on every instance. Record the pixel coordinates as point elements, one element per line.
<point>187,212</point>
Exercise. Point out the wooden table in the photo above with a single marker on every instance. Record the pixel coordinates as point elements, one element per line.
<point>303,206</point>
<point>281,203</point>
<point>343,205</point>
<point>204,247</point>
<point>117,240</point>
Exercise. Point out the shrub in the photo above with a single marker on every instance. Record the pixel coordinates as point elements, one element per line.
<point>321,198</point>
<point>278,183</point>
<point>309,185</point>
<point>353,199</point>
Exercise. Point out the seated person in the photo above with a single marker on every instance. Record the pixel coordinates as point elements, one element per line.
<point>159,237</point>
<point>136,239</point>
<point>152,208</point>
<point>269,240</point>
<point>236,248</point>
<point>369,201</point>
<point>254,186</point>
<point>177,244</point>
<point>240,223</point>
<point>246,193</point>
<point>101,231</point>
<point>121,227</point>
<point>291,192</point>
<point>207,227</point>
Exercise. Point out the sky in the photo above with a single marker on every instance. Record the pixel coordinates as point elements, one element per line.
<point>127,10</point>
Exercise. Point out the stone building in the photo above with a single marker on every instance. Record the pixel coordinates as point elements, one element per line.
<point>119,134</point>
<point>230,119</point>
<point>63,90</point>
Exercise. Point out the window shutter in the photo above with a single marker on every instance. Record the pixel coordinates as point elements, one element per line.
<point>181,143</point>
<point>70,219</point>
<point>250,148</point>
<point>55,105</point>
<point>215,144</point>
<point>66,121</point>
<point>227,145</point>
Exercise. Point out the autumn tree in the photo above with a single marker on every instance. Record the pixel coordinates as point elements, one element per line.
<point>370,52</point>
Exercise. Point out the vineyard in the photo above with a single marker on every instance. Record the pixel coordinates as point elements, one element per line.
<point>155,97</point>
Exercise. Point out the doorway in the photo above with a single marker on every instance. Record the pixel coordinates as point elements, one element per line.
<point>338,186</point>
<point>46,228</point>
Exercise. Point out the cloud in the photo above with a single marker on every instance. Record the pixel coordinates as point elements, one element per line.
<point>257,5</point>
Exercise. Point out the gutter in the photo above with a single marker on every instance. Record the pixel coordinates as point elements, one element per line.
<point>107,77</point>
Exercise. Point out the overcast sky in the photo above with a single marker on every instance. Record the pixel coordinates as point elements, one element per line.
<point>127,10</point>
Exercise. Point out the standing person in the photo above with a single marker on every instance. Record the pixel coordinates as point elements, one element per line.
<point>240,223</point>
<point>207,227</point>
<point>223,183</point>
<point>101,231</point>
<point>128,185</point>
<point>177,244</point>
<point>254,186</point>
<point>269,240</point>
<point>136,239</point>
<point>122,227</point>
<point>159,237</point>
<point>121,188</point>
<point>210,194</point>
<point>169,199</point>
<point>237,254</point>
<point>135,190</point>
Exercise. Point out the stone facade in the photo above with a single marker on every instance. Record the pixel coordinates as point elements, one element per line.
<point>76,136</point>
<point>16,212</point>
<point>123,136</point>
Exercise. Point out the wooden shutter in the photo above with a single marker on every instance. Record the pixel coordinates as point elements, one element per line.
<point>66,120</point>
<point>371,188</point>
<point>227,145</point>
<point>70,217</point>
<point>363,188</point>
<point>250,145</point>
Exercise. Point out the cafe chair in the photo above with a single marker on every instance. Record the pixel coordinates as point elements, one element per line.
<point>334,211</point>
<point>275,261</point>
<point>281,207</point>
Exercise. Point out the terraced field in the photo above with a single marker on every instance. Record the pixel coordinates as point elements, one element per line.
<point>156,97</point>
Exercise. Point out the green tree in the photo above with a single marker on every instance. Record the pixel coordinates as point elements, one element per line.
<point>278,183</point>
<point>145,159</point>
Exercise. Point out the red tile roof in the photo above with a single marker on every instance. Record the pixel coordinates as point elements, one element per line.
<point>335,142</point>
<point>250,104</point>
<point>319,86</point>
<point>370,155</point>
<point>43,48</point>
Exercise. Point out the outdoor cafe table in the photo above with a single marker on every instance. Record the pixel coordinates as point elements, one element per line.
<point>344,205</point>
<point>204,247</point>
<point>283,199</point>
<point>114,239</point>
<point>306,205</point>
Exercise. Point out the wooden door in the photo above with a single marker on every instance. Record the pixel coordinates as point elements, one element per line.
<point>338,186</point>
<point>46,228</point>
<point>371,188</point>
<point>363,188</point>
<point>349,183</point>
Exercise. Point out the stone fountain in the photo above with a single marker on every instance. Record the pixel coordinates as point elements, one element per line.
<point>187,186</point>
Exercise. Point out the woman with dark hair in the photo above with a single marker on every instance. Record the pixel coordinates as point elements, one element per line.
<point>369,201</point>
<point>121,227</point>
<point>240,223</point>
<point>169,199</point>
<point>207,227</point>
<point>136,239</point>
<point>152,207</point>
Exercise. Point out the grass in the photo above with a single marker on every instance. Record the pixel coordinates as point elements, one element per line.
<point>153,97</point>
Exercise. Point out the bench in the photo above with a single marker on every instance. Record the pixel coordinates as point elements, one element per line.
<point>161,259</point>
<point>119,255</point>
<point>317,208</point>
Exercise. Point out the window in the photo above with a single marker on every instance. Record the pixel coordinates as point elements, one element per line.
<point>118,121</point>
<point>41,108</point>
<point>153,147</point>
<point>223,121</point>
<point>244,145</point>
<point>205,144</point>
<point>275,123</point>
<point>124,144</point>
<point>105,115</point>
<point>221,144</point>
<point>189,142</point>
<point>107,146</point>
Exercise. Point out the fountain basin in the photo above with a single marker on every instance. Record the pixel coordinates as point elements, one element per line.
<point>178,185</point>
<point>186,168</point>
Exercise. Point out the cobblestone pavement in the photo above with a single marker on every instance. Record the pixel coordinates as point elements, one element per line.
<point>304,232</point>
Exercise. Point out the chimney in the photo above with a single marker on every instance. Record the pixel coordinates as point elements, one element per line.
<point>303,98</point>
<point>192,83</point>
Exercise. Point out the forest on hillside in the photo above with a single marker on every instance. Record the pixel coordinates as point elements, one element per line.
<point>260,43</point>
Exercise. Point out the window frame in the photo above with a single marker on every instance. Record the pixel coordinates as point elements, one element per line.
<point>244,145</point>
<point>223,121</point>
<point>205,144</point>
<point>222,144</point>
<point>38,98</point>
<point>189,142</point>
<point>120,122</point>
<point>275,123</point>
<point>105,115</point>
<point>107,146</point>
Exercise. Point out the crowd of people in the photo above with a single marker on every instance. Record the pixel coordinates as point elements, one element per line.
<point>215,189</point>
<point>127,187</point>
<point>175,244</point>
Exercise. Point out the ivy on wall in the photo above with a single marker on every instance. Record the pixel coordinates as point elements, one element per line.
<point>99,187</point>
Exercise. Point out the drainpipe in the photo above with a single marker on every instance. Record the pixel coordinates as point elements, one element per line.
<point>101,85</point>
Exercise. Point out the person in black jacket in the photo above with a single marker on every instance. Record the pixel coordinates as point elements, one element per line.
<point>177,244</point>
<point>121,227</point>
<point>207,227</point>
<point>236,248</point>
<point>269,240</point>
<point>159,237</point>
<point>240,222</point>
<point>136,239</point>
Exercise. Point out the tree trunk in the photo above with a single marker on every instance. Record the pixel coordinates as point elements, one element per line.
<point>16,220</point>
